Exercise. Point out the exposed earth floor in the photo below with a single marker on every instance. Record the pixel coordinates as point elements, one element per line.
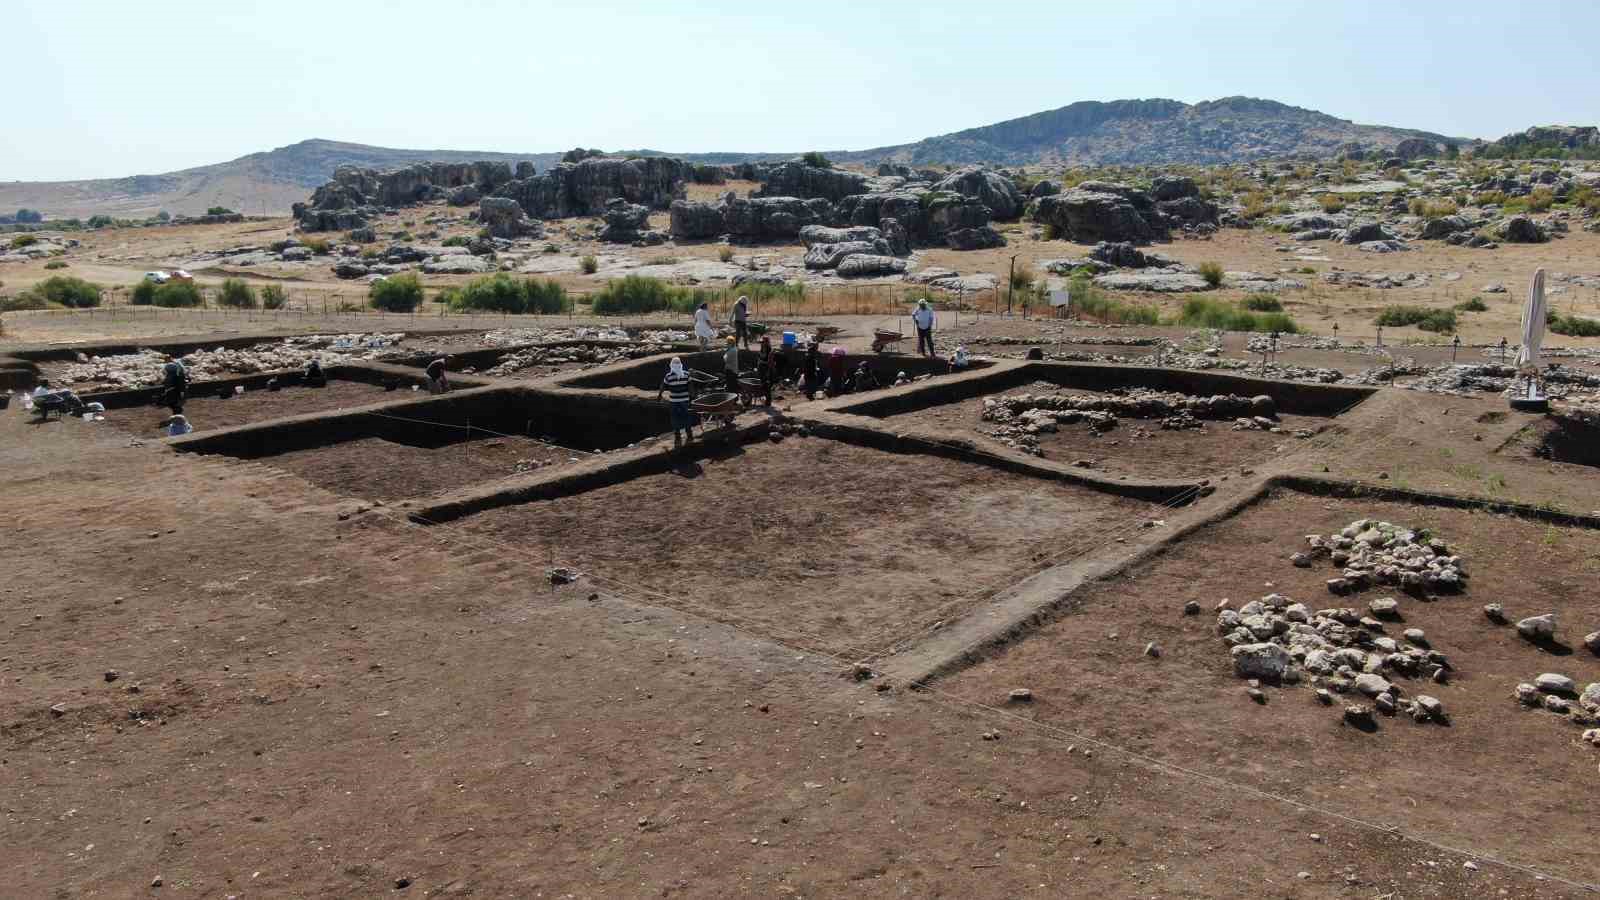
<point>247,678</point>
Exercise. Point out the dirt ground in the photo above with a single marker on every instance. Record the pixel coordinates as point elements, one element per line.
<point>813,539</point>
<point>304,706</point>
<point>205,411</point>
<point>1136,447</point>
<point>1467,785</point>
<point>377,469</point>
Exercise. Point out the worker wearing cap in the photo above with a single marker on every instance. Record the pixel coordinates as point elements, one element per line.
<point>922,316</point>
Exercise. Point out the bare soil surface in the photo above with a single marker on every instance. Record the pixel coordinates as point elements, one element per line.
<point>1469,784</point>
<point>813,539</point>
<point>254,697</point>
<point>1136,447</point>
<point>205,411</point>
<point>378,469</point>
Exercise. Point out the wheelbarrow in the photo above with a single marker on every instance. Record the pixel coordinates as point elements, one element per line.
<point>883,341</point>
<point>705,381</point>
<point>826,333</point>
<point>721,406</point>
<point>60,402</point>
<point>751,387</point>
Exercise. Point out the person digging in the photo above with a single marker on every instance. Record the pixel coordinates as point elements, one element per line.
<point>680,391</point>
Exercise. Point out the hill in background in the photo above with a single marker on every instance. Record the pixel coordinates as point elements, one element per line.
<point>1233,129</point>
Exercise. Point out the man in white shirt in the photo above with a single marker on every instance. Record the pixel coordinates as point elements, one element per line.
<point>922,317</point>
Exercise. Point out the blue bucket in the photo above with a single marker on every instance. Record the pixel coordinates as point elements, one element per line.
<point>788,340</point>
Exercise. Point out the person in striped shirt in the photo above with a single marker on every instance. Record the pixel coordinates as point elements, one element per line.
<point>679,390</point>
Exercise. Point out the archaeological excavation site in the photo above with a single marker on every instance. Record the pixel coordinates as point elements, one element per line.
<point>1134,498</point>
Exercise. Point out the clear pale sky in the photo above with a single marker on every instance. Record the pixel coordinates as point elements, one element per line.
<point>106,88</point>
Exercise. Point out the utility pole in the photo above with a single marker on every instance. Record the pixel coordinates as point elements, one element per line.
<point>1011,283</point>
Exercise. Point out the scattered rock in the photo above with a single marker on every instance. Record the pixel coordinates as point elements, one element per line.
<point>1554,683</point>
<point>1538,628</point>
<point>1020,695</point>
<point>1495,613</point>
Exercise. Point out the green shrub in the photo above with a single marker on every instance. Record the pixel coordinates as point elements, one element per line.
<point>459,240</point>
<point>725,254</point>
<point>814,158</point>
<point>492,293</point>
<point>56,264</point>
<point>397,293</point>
<point>1263,303</point>
<point>1439,321</point>
<point>551,248</point>
<point>273,297</point>
<point>99,221</point>
<point>319,246</point>
<point>144,293</point>
<point>65,290</point>
<point>371,253</point>
<point>1540,199</point>
<point>176,294</point>
<point>546,296</point>
<point>1203,312</point>
<point>1572,326</point>
<point>219,211</point>
<point>1022,277</point>
<point>1211,272</point>
<point>1087,301</point>
<point>24,300</point>
<point>23,240</point>
<point>631,295</point>
<point>589,265</point>
<point>1476,304</point>
<point>1488,198</point>
<point>237,294</point>
<point>1331,203</point>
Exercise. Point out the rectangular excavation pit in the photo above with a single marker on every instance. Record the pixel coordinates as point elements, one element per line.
<point>1137,444</point>
<point>827,544</point>
<point>213,405</point>
<point>1482,780</point>
<point>432,446</point>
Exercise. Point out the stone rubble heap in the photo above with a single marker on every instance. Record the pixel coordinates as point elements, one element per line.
<point>1339,651</point>
<point>1559,694</point>
<point>1343,650</point>
<point>588,355</point>
<point>142,369</point>
<point>1371,552</point>
<point>1020,418</point>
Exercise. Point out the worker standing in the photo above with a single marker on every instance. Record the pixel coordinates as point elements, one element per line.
<point>175,384</point>
<point>679,390</point>
<point>922,317</point>
<point>702,326</point>
<point>741,322</point>
<point>730,366</point>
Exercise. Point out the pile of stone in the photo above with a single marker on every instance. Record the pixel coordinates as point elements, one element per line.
<point>143,369</point>
<point>1370,552</point>
<point>1340,651</point>
<point>1132,403</point>
<point>585,356</point>
<point>1019,419</point>
<point>1559,694</point>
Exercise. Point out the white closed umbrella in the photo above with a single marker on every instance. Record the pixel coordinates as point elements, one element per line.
<point>1532,324</point>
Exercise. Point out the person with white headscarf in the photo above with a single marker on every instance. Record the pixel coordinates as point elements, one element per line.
<point>177,426</point>
<point>702,326</point>
<point>679,390</point>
